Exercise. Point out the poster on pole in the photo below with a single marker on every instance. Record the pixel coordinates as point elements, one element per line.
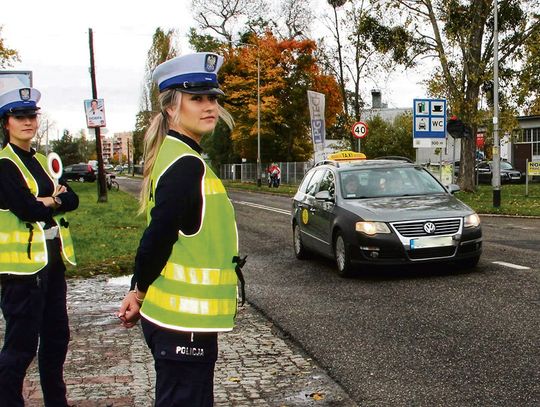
<point>318,127</point>
<point>95,113</point>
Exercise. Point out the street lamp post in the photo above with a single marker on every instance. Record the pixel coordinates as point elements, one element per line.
<point>496,173</point>
<point>258,119</point>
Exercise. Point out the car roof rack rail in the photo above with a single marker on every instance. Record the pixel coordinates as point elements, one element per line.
<point>394,157</point>
<point>325,162</point>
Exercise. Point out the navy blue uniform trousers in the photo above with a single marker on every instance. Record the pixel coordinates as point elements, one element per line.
<point>184,365</point>
<point>34,309</point>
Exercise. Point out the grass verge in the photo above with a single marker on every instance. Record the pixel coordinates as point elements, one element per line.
<point>513,200</point>
<point>106,235</point>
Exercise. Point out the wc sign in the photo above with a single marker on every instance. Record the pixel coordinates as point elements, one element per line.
<point>429,122</point>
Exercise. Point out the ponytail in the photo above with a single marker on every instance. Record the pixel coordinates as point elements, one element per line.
<point>169,99</point>
<point>154,138</point>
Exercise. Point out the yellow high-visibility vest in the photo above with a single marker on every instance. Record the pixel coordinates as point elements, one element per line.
<point>197,289</point>
<point>22,244</point>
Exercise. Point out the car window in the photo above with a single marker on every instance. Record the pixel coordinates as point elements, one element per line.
<point>483,166</point>
<point>380,182</point>
<point>353,184</point>
<point>506,165</point>
<point>313,184</point>
<point>327,183</point>
<point>305,182</point>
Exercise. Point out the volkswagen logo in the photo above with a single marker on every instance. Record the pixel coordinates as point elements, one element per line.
<point>429,228</point>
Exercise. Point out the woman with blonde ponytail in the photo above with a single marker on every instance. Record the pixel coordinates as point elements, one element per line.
<point>184,286</point>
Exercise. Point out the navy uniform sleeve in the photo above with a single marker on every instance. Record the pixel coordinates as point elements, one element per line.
<point>70,200</point>
<point>16,196</point>
<point>178,207</point>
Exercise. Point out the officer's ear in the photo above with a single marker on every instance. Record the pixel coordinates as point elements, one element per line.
<point>170,111</point>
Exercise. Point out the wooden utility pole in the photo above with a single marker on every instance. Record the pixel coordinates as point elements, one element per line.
<point>101,183</point>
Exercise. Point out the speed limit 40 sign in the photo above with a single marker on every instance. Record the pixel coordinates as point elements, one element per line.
<point>359,130</point>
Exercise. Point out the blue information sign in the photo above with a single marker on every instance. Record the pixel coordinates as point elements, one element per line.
<point>429,119</point>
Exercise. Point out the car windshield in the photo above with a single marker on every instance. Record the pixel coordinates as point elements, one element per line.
<point>506,165</point>
<point>380,182</point>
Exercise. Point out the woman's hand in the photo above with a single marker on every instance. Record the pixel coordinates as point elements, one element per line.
<point>48,201</point>
<point>129,310</point>
<point>60,189</point>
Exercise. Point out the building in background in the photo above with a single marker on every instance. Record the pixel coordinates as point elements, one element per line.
<point>118,148</point>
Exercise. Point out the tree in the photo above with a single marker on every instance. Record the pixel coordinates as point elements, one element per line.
<point>459,36</point>
<point>7,55</point>
<point>68,149</point>
<point>386,138</point>
<point>288,69</point>
<point>297,16</point>
<point>163,48</point>
<point>86,149</point>
<point>45,127</point>
<point>528,85</point>
<point>222,16</point>
<point>361,42</point>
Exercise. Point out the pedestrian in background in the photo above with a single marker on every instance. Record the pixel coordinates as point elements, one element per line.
<point>35,235</point>
<point>187,264</point>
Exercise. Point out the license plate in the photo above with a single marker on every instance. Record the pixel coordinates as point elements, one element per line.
<point>435,241</point>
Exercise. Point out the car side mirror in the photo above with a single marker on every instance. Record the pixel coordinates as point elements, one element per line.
<point>453,188</point>
<point>323,196</point>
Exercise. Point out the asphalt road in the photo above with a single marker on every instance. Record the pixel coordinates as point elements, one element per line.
<point>429,336</point>
<point>433,336</point>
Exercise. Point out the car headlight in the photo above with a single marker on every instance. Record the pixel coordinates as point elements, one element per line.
<point>372,228</point>
<point>472,221</point>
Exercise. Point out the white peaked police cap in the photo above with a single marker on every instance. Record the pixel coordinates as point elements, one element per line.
<point>193,73</point>
<point>19,102</point>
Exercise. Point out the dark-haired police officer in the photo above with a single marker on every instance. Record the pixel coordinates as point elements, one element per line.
<point>34,235</point>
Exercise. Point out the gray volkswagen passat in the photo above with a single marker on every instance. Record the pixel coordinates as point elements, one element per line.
<point>384,212</point>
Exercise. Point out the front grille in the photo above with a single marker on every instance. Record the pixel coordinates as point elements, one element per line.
<point>416,228</point>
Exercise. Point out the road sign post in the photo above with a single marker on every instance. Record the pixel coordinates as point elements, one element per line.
<point>359,130</point>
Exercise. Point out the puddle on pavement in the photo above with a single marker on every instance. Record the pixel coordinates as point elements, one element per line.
<point>124,280</point>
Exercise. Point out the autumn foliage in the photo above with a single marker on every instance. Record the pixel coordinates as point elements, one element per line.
<point>288,69</point>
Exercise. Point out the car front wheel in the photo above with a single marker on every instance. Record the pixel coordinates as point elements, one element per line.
<point>342,255</point>
<point>300,251</point>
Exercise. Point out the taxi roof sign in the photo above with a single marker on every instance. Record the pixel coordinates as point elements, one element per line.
<point>347,156</point>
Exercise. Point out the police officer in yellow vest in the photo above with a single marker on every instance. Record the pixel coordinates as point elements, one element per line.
<point>187,265</point>
<point>34,235</point>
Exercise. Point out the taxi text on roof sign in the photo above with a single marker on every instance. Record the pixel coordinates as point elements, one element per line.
<point>347,156</point>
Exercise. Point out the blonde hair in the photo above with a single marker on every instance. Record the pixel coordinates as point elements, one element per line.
<point>169,99</point>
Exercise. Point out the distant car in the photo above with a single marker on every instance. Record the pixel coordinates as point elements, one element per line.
<point>382,212</point>
<point>79,172</point>
<point>108,167</point>
<point>508,173</point>
<point>119,168</point>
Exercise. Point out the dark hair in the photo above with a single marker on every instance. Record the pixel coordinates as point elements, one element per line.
<point>4,130</point>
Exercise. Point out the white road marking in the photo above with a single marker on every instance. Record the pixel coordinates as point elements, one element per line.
<point>266,208</point>
<point>511,265</point>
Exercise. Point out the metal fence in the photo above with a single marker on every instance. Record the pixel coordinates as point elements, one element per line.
<point>291,172</point>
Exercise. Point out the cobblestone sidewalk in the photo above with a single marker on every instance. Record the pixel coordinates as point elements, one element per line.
<point>108,365</point>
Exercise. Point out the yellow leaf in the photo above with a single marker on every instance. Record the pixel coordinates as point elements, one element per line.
<point>317,396</point>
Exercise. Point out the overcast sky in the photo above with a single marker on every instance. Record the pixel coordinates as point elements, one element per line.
<point>52,40</point>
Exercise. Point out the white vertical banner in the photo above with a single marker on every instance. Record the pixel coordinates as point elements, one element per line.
<point>318,126</point>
